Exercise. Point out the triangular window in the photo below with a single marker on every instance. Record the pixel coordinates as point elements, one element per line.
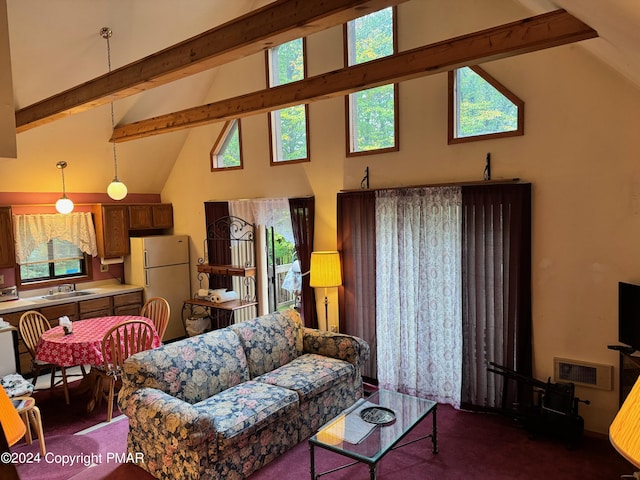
<point>226,154</point>
<point>481,108</point>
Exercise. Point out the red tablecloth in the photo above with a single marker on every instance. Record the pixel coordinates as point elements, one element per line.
<point>83,346</point>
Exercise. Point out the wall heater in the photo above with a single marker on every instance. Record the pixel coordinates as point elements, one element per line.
<point>585,374</point>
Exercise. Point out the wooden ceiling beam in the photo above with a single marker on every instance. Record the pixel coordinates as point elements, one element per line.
<point>524,36</point>
<point>274,24</point>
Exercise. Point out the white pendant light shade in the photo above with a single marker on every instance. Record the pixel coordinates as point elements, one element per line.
<point>117,190</point>
<point>64,205</point>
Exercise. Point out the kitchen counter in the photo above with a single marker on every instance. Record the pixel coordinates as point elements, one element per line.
<point>36,301</point>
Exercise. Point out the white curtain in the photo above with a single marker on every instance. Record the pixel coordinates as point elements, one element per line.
<point>266,212</point>
<point>33,230</point>
<point>419,304</point>
<point>274,212</point>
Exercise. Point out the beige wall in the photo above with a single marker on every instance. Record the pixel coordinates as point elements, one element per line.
<point>579,151</point>
<point>8,146</point>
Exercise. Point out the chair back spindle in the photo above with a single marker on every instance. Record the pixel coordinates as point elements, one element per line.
<point>157,309</point>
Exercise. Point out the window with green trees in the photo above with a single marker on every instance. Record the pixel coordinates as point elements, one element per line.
<point>226,153</point>
<point>481,108</point>
<point>288,127</point>
<point>372,117</point>
<point>55,259</point>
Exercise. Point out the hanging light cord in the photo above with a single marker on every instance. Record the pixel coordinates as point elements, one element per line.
<point>61,166</point>
<point>64,190</point>
<point>106,34</point>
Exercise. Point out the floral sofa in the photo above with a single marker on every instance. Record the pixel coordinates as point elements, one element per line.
<point>222,404</point>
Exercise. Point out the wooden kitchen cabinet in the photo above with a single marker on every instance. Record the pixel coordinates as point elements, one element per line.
<point>99,307</point>
<point>112,230</point>
<point>127,303</point>
<point>54,312</point>
<point>162,215</point>
<point>7,251</point>
<point>150,217</point>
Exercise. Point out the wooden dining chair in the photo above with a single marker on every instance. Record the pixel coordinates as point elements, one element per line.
<point>118,344</point>
<point>157,310</point>
<point>32,325</point>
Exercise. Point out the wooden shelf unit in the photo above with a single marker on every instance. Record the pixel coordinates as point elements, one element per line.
<point>230,270</point>
<point>229,239</point>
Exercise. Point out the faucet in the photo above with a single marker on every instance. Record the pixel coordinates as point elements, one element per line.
<point>67,287</point>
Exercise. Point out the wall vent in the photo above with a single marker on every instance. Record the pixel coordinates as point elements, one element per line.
<point>586,374</point>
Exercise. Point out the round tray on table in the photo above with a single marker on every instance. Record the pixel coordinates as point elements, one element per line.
<point>378,415</point>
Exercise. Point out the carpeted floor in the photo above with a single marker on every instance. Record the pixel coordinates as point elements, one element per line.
<point>471,445</point>
<point>72,454</point>
<point>74,438</point>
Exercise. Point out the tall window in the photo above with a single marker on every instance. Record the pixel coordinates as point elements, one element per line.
<point>481,108</point>
<point>372,114</point>
<point>288,127</point>
<point>55,259</point>
<point>226,153</point>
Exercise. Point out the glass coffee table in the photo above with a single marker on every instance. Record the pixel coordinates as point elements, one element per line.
<point>372,427</point>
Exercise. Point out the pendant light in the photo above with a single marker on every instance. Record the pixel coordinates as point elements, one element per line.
<point>64,204</point>
<point>116,189</point>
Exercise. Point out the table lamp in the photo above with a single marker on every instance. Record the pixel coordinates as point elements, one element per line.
<point>623,432</point>
<point>12,425</point>
<point>325,272</point>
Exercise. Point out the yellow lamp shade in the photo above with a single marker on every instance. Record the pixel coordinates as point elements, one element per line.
<point>14,428</point>
<point>623,432</point>
<point>325,270</point>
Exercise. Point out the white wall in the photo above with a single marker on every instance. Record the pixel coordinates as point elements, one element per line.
<point>579,151</point>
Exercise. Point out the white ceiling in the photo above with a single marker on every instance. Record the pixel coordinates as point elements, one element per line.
<point>56,45</point>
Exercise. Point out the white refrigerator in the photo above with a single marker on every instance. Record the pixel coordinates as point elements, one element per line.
<point>160,264</point>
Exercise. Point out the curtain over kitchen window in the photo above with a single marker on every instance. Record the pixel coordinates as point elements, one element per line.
<point>31,231</point>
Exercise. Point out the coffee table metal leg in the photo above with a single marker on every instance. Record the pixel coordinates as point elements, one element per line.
<point>434,432</point>
<point>313,466</point>
<point>373,471</point>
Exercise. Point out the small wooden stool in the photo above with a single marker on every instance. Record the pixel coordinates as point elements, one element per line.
<point>30,414</point>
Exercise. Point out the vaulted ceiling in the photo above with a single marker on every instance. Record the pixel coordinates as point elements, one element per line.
<point>56,46</point>
<point>617,23</point>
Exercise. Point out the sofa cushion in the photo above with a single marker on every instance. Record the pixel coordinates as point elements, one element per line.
<point>192,369</point>
<point>245,408</point>
<point>309,375</point>
<point>270,341</point>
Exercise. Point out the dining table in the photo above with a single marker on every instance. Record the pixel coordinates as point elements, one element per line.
<point>83,346</point>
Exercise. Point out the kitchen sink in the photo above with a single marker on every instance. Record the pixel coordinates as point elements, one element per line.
<point>61,295</point>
